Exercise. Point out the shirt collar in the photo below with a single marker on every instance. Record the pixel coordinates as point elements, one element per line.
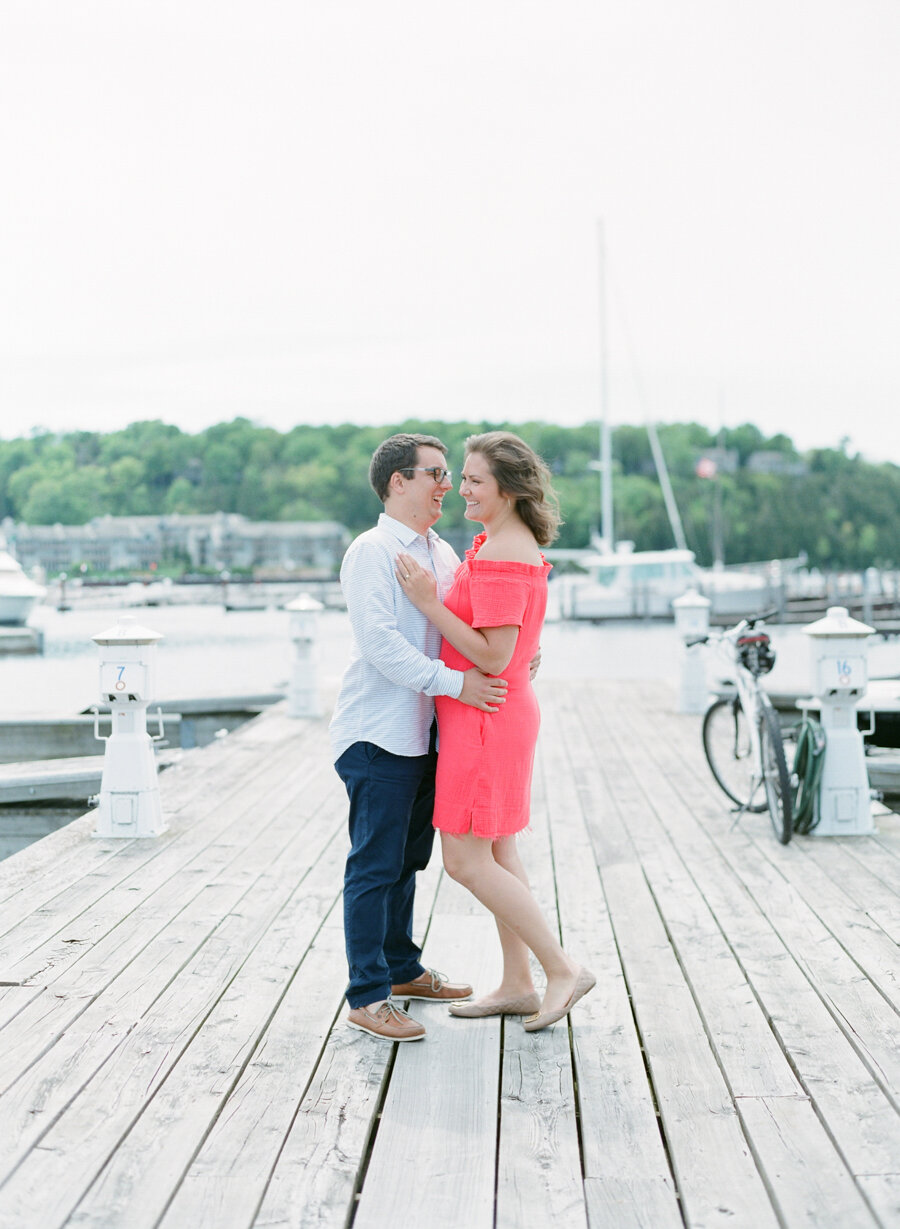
<point>403,532</point>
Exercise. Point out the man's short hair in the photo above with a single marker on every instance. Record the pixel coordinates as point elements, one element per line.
<point>398,452</point>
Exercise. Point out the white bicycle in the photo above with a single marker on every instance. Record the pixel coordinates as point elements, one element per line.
<point>742,736</point>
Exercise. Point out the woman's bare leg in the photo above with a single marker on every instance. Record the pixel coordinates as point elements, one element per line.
<point>471,861</point>
<point>516,982</point>
<point>517,979</point>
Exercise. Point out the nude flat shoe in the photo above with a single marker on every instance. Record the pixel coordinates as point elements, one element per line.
<point>505,1007</point>
<point>583,983</point>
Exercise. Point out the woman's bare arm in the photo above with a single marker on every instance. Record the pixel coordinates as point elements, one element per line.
<point>488,648</point>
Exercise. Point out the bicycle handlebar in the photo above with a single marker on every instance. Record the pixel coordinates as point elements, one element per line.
<point>762,618</point>
<point>749,623</point>
<point>732,632</point>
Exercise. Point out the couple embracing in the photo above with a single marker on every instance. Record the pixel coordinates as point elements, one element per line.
<point>448,646</point>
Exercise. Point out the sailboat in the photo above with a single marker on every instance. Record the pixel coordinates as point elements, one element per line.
<point>618,582</point>
<point>630,584</point>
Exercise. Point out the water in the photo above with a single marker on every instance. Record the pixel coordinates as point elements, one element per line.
<point>207,652</point>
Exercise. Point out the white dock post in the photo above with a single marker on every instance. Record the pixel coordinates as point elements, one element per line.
<point>840,678</point>
<point>130,805</point>
<point>303,693</point>
<point>691,622</point>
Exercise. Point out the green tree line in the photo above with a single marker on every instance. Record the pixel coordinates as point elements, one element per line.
<point>842,511</point>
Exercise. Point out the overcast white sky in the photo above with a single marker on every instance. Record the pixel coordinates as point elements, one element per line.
<point>357,211</point>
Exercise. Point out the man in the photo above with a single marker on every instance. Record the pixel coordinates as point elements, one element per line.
<point>383,737</point>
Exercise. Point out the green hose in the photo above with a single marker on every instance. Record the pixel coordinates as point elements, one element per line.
<point>809,759</point>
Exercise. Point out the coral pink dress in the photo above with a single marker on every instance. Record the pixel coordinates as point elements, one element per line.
<point>485,759</point>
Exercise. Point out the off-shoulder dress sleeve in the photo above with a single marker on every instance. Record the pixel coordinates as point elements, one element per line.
<point>500,595</point>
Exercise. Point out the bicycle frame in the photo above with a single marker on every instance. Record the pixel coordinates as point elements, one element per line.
<point>749,693</point>
<point>750,656</point>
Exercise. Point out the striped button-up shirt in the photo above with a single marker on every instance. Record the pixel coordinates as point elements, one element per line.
<point>387,689</point>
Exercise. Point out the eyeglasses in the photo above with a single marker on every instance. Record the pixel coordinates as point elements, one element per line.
<point>438,475</point>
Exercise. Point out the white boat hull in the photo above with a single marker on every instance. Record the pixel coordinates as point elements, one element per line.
<point>587,601</point>
<point>644,584</point>
<point>15,608</point>
<point>743,602</point>
<point>18,594</point>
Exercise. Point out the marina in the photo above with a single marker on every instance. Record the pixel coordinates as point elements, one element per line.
<point>612,282</point>
<point>217,670</point>
<point>171,1009</point>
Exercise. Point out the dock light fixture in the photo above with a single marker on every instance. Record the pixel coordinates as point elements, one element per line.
<point>130,804</point>
<point>303,693</point>
<point>840,672</point>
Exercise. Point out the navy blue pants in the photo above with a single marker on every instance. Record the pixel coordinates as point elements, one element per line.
<point>391,837</point>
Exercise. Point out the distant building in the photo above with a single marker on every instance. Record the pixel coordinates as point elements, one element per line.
<point>781,463</point>
<point>222,540</point>
<point>714,461</point>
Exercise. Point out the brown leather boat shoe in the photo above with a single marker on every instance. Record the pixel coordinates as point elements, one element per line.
<point>431,987</point>
<point>389,1022</point>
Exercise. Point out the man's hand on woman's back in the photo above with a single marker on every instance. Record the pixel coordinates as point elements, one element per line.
<point>483,691</point>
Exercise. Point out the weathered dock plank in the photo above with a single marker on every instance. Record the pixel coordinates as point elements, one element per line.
<point>539,1166</point>
<point>150,1162</point>
<point>867,875</point>
<point>294,1129</point>
<point>436,1142</point>
<point>860,1118</point>
<point>135,1058</point>
<point>717,1178</point>
<point>78,918</point>
<point>173,1051</point>
<point>32,883</point>
<point>863,1008</point>
<point>143,952</point>
<point>860,1009</point>
<point>809,1185</point>
<point>753,1061</point>
<point>628,1178</point>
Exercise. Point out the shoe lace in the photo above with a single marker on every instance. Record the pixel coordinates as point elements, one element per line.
<point>437,979</point>
<point>389,1008</point>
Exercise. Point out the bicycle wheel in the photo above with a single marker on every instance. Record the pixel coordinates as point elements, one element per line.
<point>729,752</point>
<point>776,778</point>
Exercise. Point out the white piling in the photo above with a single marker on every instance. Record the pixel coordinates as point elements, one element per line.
<point>130,804</point>
<point>692,622</point>
<point>840,679</point>
<point>303,693</point>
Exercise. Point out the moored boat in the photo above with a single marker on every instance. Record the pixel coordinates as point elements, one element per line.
<point>629,584</point>
<point>18,594</point>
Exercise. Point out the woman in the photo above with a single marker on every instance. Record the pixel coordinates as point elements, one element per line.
<point>492,618</point>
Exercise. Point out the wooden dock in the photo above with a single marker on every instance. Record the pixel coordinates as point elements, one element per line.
<point>173,1052</point>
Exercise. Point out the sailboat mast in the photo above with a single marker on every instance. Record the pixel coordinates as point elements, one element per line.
<point>605,465</point>
<point>662,471</point>
<point>607,532</point>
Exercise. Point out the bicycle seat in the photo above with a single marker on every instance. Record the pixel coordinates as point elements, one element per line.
<point>756,653</point>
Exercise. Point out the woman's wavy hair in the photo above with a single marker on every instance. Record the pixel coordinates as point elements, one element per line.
<point>523,476</point>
